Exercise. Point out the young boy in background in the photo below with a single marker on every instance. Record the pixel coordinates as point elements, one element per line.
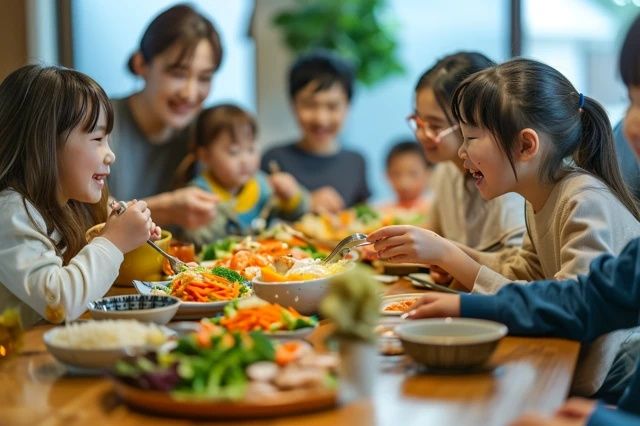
<point>320,90</point>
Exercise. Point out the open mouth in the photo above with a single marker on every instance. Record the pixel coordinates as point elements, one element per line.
<point>478,177</point>
<point>180,107</point>
<point>100,178</point>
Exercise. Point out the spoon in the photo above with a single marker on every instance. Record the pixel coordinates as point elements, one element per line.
<point>345,245</point>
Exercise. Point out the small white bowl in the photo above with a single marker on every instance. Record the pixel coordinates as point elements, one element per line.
<point>451,343</point>
<point>303,296</point>
<point>142,307</point>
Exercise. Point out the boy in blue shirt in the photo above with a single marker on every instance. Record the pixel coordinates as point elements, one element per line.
<point>606,299</point>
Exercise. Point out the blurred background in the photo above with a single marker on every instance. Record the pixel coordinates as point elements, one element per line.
<point>581,38</point>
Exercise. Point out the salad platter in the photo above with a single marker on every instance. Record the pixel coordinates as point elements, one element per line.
<point>214,373</point>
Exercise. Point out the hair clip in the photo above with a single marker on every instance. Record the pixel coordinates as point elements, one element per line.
<point>580,101</point>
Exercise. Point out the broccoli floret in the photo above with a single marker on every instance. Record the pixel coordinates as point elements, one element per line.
<point>228,274</point>
<point>366,214</point>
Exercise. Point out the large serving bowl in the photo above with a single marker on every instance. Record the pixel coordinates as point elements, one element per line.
<point>303,296</point>
<point>143,263</point>
<point>451,343</point>
<point>142,307</point>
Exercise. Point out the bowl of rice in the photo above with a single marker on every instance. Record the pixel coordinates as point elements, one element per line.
<point>301,286</point>
<point>100,344</point>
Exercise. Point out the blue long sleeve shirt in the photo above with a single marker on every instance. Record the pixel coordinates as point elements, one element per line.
<point>606,299</point>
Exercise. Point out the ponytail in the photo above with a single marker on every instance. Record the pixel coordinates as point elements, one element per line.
<point>596,152</point>
<point>523,93</point>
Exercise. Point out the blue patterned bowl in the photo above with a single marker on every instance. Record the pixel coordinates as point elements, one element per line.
<point>142,307</point>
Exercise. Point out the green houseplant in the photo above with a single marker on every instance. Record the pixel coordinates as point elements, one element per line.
<point>358,30</point>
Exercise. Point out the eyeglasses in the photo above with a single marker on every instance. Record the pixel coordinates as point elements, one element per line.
<point>416,123</point>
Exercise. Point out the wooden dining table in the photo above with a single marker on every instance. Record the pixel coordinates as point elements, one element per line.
<point>523,375</point>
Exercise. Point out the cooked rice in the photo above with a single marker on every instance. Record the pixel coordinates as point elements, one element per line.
<point>108,334</point>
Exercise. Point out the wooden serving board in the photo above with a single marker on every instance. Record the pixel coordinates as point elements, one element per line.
<point>281,403</point>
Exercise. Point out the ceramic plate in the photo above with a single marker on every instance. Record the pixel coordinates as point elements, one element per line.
<point>390,300</point>
<point>300,333</point>
<point>278,404</point>
<point>186,310</point>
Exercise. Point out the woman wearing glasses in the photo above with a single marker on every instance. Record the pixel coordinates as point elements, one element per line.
<point>459,213</point>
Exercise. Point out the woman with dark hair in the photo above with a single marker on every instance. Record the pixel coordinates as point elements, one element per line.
<point>179,52</point>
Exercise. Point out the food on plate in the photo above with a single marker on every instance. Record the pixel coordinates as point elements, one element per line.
<point>256,314</point>
<point>400,306</point>
<point>247,256</point>
<point>214,363</point>
<point>201,284</point>
<point>361,218</point>
<point>108,334</point>
<point>285,269</point>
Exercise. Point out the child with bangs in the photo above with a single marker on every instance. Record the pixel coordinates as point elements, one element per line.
<point>459,212</point>
<point>54,161</point>
<point>528,130</point>
<point>226,148</point>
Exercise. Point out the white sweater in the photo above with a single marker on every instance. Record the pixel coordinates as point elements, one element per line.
<point>32,276</point>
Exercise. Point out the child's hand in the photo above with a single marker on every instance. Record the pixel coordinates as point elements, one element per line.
<point>408,244</point>
<point>284,185</point>
<point>192,207</point>
<point>574,412</point>
<point>131,228</point>
<point>156,233</point>
<point>326,200</point>
<point>435,305</point>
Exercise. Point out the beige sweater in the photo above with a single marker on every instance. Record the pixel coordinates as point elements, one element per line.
<point>460,214</point>
<point>32,276</point>
<point>581,220</point>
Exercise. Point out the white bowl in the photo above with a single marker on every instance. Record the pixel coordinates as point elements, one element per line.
<point>93,359</point>
<point>451,343</point>
<point>142,307</point>
<point>303,296</point>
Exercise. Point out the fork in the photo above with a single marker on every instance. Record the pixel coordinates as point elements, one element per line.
<point>119,207</point>
<point>175,263</point>
<point>346,244</point>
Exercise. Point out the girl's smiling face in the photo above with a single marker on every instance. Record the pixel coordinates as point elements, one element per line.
<point>486,162</point>
<point>83,163</point>
<point>428,111</point>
